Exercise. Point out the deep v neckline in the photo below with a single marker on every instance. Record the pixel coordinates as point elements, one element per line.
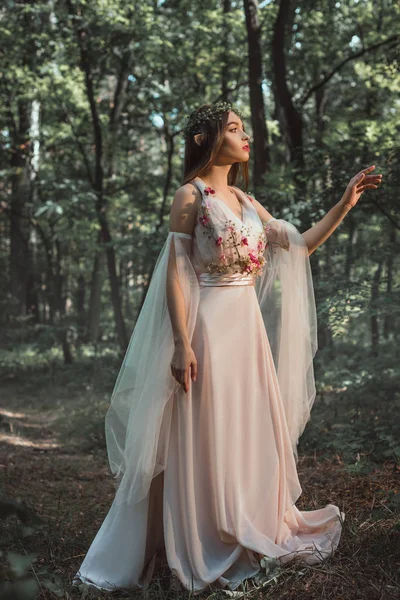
<point>215,197</point>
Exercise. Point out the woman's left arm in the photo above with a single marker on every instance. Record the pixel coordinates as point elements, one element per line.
<point>317,234</point>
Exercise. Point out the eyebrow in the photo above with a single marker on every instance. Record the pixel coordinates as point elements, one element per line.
<point>233,123</point>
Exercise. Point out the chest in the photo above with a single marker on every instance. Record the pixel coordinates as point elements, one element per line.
<point>227,243</point>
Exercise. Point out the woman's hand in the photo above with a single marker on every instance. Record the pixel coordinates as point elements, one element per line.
<point>184,364</point>
<point>358,184</point>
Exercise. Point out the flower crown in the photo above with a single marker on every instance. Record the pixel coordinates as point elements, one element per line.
<point>213,111</point>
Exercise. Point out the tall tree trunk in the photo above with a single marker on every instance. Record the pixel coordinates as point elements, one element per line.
<point>170,143</point>
<point>258,120</point>
<point>325,339</point>
<point>94,309</point>
<point>351,241</point>
<point>80,295</point>
<point>289,117</point>
<point>59,286</point>
<point>374,305</point>
<point>388,322</point>
<point>55,295</point>
<point>98,178</point>
<point>32,283</point>
<point>66,347</point>
<point>19,260</point>
<point>225,63</point>
<point>113,278</point>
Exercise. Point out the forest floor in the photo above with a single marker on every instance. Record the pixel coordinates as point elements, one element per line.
<point>53,458</point>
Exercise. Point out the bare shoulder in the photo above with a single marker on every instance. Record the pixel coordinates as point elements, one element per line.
<point>184,208</point>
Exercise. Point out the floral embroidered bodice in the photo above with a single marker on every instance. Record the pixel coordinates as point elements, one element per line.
<point>224,243</point>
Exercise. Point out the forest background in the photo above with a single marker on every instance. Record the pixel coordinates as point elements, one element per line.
<point>93,98</point>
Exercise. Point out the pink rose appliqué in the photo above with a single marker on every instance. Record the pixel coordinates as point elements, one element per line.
<point>209,190</point>
<point>253,258</point>
<point>204,220</point>
<point>245,241</point>
<point>218,242</point>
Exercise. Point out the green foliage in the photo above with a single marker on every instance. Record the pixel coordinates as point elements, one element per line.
<point>19,577</point>
<point>355,412</point>
<point>156,52</point>
<point>16,579</point>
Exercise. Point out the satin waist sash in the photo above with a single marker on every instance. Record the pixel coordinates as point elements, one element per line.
<point>217,279</point>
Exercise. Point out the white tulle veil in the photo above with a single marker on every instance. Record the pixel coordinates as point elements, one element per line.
<point>285,294</point>
<point>137,423</point>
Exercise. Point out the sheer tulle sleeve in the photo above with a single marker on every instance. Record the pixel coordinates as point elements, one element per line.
<point>286,296</point>
<point>137,423</point>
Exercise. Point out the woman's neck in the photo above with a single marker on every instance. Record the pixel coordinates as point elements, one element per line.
<point>217,178</point>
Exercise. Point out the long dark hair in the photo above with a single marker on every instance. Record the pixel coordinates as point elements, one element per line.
<point>199,158</point>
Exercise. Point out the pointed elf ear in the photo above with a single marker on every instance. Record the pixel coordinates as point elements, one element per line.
<point>198,138</point>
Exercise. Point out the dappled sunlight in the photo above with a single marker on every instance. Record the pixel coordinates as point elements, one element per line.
<point>15,423</point>
<point>32,419</point>
<point>17,440</point>
<point>24,425</point>
<point>18,429</point>
<point>11,414</point>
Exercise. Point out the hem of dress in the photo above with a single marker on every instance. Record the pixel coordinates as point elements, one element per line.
<point>82,580</point>
<point>300,555</point>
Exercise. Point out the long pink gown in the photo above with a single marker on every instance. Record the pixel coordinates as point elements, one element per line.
<point>222,490</point>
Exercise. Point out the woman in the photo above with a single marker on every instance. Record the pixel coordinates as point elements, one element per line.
<point>217,385</point>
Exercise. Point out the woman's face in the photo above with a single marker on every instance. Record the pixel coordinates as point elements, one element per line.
<point>235,146</point>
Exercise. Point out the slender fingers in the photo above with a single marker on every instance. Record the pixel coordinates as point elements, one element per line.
<point>181,376</point>
<point>368,169</point>
<point>369,181</point>
<point>375,176</point>
<point>194,370</point>
<point>365,187</point>
<point>187,377</point>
